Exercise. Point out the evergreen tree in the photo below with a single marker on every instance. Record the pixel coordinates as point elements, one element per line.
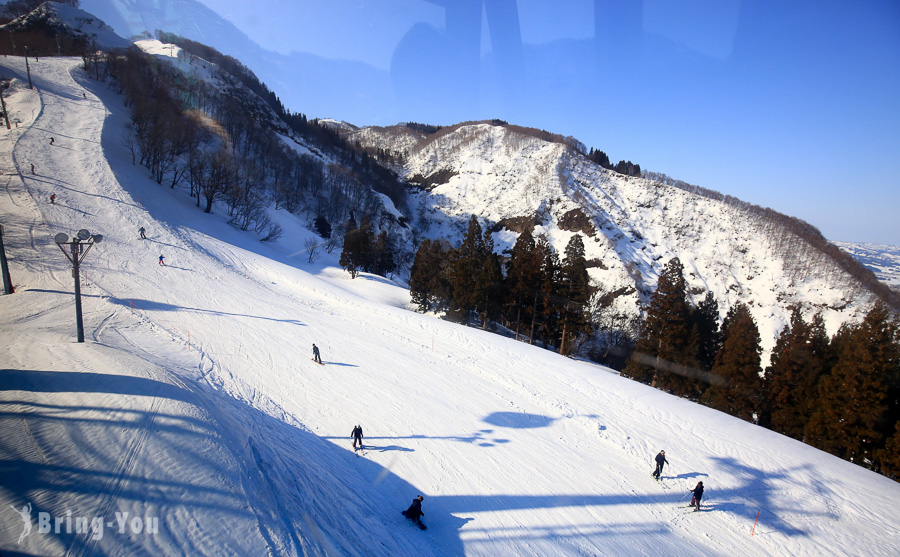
<point>383,261</point>
<point>429,285</point>
<point>665,333</point>
<point>488,290</point>
<point>738,365</point>
<point>798,361</point>
<point>852,417</point>
<point>547,300</point>
<point>358,251</point>
<point>523,273</point>
<point>467,261</point>
<point>575,288</point>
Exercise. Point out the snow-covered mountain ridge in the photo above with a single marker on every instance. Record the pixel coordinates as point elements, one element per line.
<point>633,226</point>
<point>60,19</point>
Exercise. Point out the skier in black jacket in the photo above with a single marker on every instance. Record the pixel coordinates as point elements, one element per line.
<point>357,436</point>
<point>660,460</point>
<point>415,513</point>
<point>698,494</point>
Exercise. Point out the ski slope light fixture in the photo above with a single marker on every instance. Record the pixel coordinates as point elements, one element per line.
<point>80,245</point>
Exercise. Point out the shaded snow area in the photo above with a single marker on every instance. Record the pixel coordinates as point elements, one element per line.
<point>192,421</point>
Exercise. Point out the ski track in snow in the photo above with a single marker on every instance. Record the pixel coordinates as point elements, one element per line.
<point>195,400</point>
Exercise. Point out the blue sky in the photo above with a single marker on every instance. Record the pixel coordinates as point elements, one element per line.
<point>791,105</point>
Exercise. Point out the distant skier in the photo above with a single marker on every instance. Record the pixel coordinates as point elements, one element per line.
<point>414,512</point>
<point>698,494</point>
<point>52,140</point>
<point>143,237</point>
<point>316,357</point>
<point>161,261</point>
<point>32,168</point>
<point>357,436</point>
<point>660,460</point>
<point>52,199</point>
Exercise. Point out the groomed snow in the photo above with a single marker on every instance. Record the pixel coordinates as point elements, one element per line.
<point>194,400</point>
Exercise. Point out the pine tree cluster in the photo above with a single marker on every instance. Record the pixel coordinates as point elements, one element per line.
<point>841,395</point>
<point>539,296</point>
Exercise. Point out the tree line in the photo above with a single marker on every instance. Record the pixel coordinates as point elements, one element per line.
<point>539,296</point>
<point>225,143</point>
<point>839,394</point>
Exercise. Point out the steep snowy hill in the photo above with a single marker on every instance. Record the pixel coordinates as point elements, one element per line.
<point>193,405</point>
<point>513,178</point>
<point>59,19</point>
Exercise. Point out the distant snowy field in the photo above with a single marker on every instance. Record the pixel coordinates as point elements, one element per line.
<point>192,421</point>
<point>881,259</point>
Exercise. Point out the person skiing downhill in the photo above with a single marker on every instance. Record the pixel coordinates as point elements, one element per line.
<point>698,494</point>
<point>161,262</point>
<point>414,512</point>
<point>141,231</point>
<point>316,357</point>
<point>357,436</point>
<point>660,460</point>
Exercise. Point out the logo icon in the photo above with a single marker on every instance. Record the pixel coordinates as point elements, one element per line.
<point>25,513</point>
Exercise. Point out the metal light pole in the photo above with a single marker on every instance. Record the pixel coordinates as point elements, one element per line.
<point>28,69</point>
<point>4,267</point>
<point>81,243</point>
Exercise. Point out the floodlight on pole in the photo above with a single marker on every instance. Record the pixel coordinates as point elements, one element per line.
<point>80,245</point>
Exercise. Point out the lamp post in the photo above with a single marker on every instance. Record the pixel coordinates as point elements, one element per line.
<point>80,245</point>
<point>28,69</point>
<point>4,267</point>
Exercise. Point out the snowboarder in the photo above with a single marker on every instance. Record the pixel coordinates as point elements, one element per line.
<point>52,199</point>
<point>698,494</point>
<point>660,460</point>
<point>52,140</point>
<point>357,436</point>
<point>32,168</point>
<point>316,357</point>
<point>161,262</point>
<point>414,512</point>
<point>143,237</point>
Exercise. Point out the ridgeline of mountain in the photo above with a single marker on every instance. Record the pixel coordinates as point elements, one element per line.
<point>514,178</point>
<point>53,29</point>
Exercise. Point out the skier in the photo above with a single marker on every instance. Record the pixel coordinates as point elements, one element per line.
<point>414,512</point>
<point>32,168</point>
<point>698,494</point>
<point>660,460</point>
<point>316,357</point>
<point>143,237</point>
<point>161,262</point>
<point>357,436</point>
<point>52,140</point>
<point>52,199</point>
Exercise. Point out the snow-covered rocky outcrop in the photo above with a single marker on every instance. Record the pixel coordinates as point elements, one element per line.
<point>513,178</point>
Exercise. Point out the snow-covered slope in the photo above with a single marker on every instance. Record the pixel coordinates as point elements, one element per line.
<point>511,177</point>
<point>194,406</point>
<point>62,19</point>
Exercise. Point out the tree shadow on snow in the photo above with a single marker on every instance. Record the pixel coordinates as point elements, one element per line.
<point>244,479</point>
<point>149,305</point>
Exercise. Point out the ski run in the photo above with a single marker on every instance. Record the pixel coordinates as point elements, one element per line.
<point>192,420</point>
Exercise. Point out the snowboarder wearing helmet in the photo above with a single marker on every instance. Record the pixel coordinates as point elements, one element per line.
<point>698,494</point>
<point>414,512</point>
<point>660,460</point>
<point>357,436</point>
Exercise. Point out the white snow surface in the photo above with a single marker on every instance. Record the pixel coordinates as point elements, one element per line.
<point>194,400</point>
